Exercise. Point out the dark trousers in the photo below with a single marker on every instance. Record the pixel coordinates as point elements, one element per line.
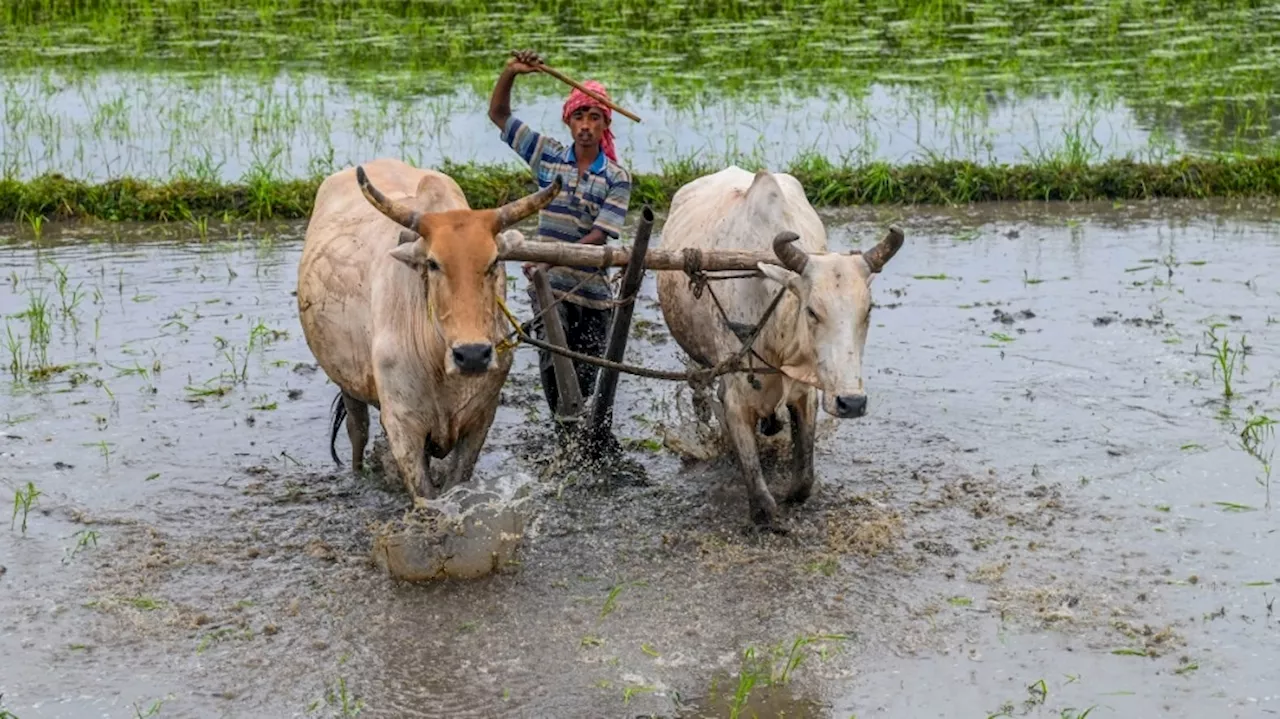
<point>586,331</point>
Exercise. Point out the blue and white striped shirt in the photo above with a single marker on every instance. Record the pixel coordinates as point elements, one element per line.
<point>597,199</point>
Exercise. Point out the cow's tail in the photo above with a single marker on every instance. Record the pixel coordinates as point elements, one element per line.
<point>339,411</point>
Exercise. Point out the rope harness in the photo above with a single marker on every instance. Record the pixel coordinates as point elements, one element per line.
<point>699,282</point>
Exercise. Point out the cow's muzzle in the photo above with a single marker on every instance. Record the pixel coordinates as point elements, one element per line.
<point>849,406</point>
<point>473,358</point>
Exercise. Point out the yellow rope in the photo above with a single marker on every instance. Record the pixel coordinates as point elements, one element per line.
<point>508,344</point>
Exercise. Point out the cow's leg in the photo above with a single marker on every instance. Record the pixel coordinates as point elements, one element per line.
<point>804,417</point>
<point>740,425</point>
<point>407,436</point>
<point>357,429</point>
<point>701,403</point>
<point>466,451</point>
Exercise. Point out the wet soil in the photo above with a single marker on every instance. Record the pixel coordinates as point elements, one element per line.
<point>1046,508</point>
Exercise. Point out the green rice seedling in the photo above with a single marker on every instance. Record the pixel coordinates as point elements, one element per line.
<point>341,698</point>
<point>1257,431</point>
<point>150,711</point>
<point>633,689</point>
<point>236,359</point>
<point>747,680</point>
<point>104,448</point>
<point>1225,360</point>
<point>83,538</point>
<point>5,713</point>
<point>16,351</point>
<point>23,500</point>
<point>773,667</point>
<point>796,656</point>
<point>39,331</point>
<point>611,601</point>
<point>36,223</point>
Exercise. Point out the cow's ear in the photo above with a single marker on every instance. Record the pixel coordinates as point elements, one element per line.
<point>791,280</point>
<point>413,254</point>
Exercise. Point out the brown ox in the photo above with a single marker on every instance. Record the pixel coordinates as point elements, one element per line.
<point>408,321</point>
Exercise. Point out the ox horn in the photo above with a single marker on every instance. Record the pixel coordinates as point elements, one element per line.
<point>880,255</point>
<point>792,257</point>
<point>394,210</point>
<point>516,210</point>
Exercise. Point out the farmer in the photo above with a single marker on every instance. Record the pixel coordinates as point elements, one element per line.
<point>589,209</point>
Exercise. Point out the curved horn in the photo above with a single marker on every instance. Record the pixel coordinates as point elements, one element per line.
<point>394,210</point>
<point>516,210</point>
<point>792,257</point>
<point>879,255</point>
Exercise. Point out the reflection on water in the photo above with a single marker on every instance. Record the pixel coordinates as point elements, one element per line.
<point>225,128</point>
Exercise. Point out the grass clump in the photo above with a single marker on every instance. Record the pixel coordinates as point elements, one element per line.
<point>935,182</point>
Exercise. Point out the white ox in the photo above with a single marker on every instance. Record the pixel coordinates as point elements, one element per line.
<point>408,321</point>
<point>815,336</point>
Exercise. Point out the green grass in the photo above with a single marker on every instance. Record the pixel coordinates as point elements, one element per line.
<point>939,182</point>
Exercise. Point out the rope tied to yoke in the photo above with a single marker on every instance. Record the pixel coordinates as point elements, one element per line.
<point>699,282</point>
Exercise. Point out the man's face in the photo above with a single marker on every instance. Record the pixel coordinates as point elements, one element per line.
<point>587,125</point>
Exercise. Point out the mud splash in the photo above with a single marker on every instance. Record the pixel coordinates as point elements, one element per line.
<point>1040,514</point>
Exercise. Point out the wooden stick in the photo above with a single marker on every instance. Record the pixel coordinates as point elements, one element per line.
<point>572,254</point>
<point>569,393</point>
<point>602,408</point>
<point>547,69</point>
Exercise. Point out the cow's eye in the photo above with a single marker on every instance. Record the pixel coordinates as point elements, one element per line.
<point>492,269</point>
<point>433,266</point>
<point>812,315</point>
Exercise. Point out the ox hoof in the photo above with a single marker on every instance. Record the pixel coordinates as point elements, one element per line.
<point>764,514</point>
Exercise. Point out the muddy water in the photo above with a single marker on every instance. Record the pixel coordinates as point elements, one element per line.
<point>1034,489</point>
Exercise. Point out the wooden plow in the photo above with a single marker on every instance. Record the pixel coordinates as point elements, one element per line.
<point>595,419</point>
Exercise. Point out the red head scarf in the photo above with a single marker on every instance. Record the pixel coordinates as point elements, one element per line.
<point>579,99</point>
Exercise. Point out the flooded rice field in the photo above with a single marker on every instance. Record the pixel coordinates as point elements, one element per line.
<point>1052,506</point>
<point>296,89</point>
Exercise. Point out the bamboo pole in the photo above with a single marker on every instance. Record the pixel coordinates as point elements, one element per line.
<point>572,254</point>
<point>569,404</point>
<point>602,407</point>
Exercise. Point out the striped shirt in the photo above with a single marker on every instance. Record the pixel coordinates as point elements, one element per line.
<point>597,199</point>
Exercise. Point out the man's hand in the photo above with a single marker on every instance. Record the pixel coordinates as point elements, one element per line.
<point>524,62</point>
